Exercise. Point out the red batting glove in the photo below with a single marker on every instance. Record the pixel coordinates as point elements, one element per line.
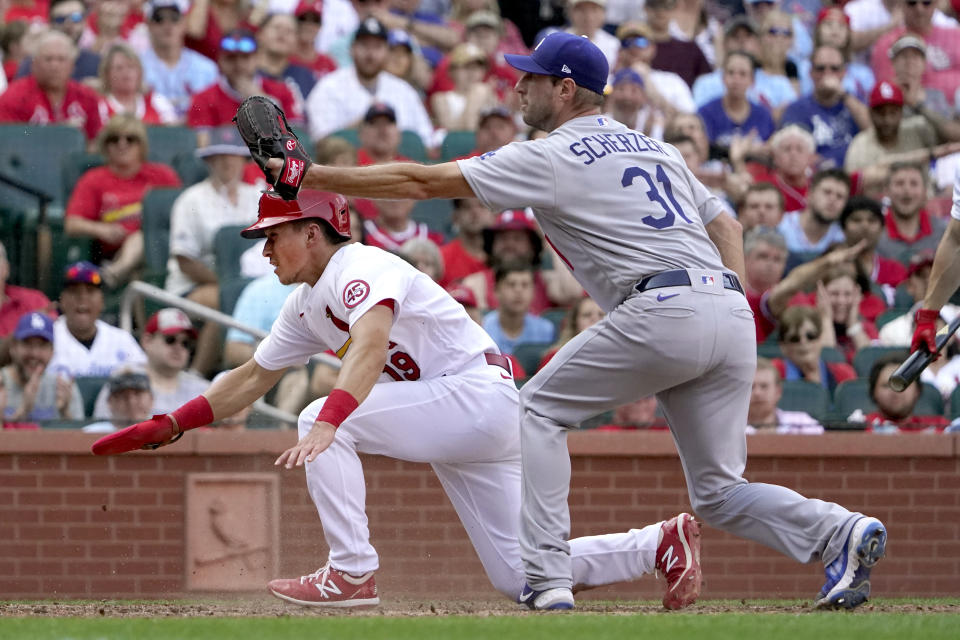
<point>925,332</point>
<point>153,433</point>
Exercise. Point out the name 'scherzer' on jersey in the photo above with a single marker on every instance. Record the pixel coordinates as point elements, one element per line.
<point>597,146</point>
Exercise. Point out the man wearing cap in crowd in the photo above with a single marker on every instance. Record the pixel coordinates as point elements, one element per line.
<point>942,44</point>
<point>221,200</point>
<point>128,398</point>
<point>85,345</point>
<point>587,18</point>
<point>69,17</point>
<point>168,340</point>
<point>309,15</point>
<point>664,89</point>
<point>341,98</point>
<point>379,136</point>
<point>30,391</point>
<point>740,34</point>
<point>627,102</point>
<point>892,135</point>
<point>238,80</point>
<point>495,129</point>
<point>169,68</point>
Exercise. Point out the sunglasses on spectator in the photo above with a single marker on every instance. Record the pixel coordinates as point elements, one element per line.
<point>309,17</point>
<point>780,31</point>
<point>242,45</point>
<point>797,338</point>
<point>75,17</point>
<point>186,343</point>
<point>913,3</point>
<point>129,139</point>
<point>165,16</point>
<point>636,41</point>
<point>820,68</point>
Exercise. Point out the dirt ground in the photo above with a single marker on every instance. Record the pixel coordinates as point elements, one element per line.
<point>399,608</point>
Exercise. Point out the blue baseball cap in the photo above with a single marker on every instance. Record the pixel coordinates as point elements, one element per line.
<point>34,325</point>
<point>627,75</point>
<point>565,55</point>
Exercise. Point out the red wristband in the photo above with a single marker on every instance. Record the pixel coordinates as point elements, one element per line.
<point>338,405</point>
<point>926,315</point>
<point>193,414</point>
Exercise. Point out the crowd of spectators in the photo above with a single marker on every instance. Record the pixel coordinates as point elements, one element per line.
<point>831,130</point>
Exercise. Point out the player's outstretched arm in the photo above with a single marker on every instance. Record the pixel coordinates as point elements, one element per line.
<point>727,234</point>
<point>225,397</point>
<point>394,181</point>
<point>362,365</point>
<point>945,274</point>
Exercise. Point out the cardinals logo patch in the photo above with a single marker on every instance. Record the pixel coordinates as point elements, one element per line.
<point>355,292</point>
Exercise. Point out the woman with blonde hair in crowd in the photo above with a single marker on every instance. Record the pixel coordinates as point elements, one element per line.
<point>107,202</point>
<point>776,40</point>
<point>583,314</point>
<point>121,84</point>
<point>802,335</point>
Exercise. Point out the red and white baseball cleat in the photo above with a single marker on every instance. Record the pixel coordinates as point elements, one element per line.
<point>327,587</point>
<point>678,560</point>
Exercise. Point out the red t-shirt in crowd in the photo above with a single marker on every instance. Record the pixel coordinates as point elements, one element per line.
<point>24,101</point>
<point>887,271</point>
<point>217,105</point>
<point>911,424</point>
<point>18,301</point>
<point>924,230</point>
<point>146,111</point>
<point>503,76</point>
<point>794,198</point>
<point>103,196</point>
<point>458,263</point>
<point>36,13</point>
<point>209,44</point>
<point>762,318</point>
<point>321,65</point>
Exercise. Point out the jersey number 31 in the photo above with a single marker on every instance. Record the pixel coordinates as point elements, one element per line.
<point>671,210</point>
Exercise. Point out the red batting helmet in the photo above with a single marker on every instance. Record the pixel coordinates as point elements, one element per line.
<point>274,210</point>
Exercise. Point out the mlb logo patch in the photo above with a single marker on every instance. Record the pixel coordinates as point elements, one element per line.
<point>708,280</point>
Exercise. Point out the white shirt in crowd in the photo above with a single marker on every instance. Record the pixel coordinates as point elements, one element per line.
<point>111,348</point>
<point>197,214</point>
<point>339,101</point>
<point>798,423</point>
<point>606,43</point>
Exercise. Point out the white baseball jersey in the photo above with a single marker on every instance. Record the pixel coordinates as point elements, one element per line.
<point>615,204</point>
<point>111,348</point>
<point>432,335</point>
<point>955,209</point>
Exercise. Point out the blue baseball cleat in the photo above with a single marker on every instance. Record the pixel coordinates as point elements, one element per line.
<point>547,600</point>
<point>848,577</point>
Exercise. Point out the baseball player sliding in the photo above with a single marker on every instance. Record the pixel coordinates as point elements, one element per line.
<point>420,381</point>
<point>652,246</point>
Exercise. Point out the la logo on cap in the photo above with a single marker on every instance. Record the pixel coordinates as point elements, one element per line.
<point>36,321</point>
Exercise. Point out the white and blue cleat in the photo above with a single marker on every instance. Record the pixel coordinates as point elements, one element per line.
<point>557,599</point>
<point>848,577</point>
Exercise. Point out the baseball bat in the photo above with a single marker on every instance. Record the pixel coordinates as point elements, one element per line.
<point>914,365</point>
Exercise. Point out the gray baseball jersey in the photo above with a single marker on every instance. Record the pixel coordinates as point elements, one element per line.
<point>615,204</point>
<point>619,206</point>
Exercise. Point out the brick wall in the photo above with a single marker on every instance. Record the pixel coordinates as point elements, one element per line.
<point>74,525</point>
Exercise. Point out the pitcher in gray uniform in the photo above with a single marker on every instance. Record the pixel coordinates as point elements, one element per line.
<point>654,248</point>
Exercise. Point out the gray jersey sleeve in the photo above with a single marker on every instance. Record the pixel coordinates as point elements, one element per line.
<point>512,177</point>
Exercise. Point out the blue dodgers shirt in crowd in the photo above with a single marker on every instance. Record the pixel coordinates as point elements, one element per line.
<point>535,330</point>
<point>832,127</point>
<point>721,129</point>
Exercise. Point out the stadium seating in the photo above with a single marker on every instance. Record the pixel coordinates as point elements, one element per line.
<point>190,168</point>
<point>156,232</point>
<point>555,316</point>
<point>529,355</point>
<point>865,357</point>
<point>436,214</point>
<point>890,314</point>
<point>411,145</point>
<point>34,155</point>
<point>854,394</point>
<point>457,144</point>
<point>89,389</point>
<point>166,143</point>
<point>73,166</point>
<point>228,246</point>
<point>801,395</point>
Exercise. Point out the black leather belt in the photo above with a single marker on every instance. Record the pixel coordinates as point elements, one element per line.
<point>498,360</point>
<point>680,278</point>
